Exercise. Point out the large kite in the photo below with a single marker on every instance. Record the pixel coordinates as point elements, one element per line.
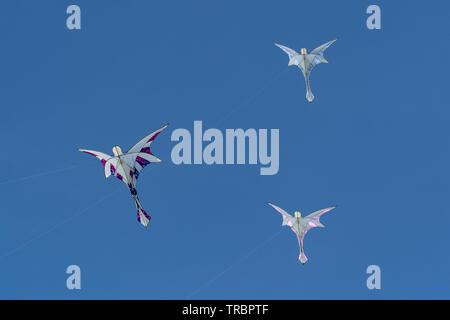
<point>301,226</point>
<point>307,61</point>
<point>127,166</point>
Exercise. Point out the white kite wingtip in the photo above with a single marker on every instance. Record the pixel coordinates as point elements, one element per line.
<point>164,126</point>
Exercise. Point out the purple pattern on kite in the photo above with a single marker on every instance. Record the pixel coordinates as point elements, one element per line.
<point>146,150</point>
<point>142,161</point>
<point>153,138</point>
<point>317,217</point>
<point>113,169</point>
<point>119,177</point>
<point>144,213</point>
<point>132,190</point>
<point>93,154</point>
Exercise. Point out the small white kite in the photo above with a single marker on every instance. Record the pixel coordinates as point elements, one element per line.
<point>127,166</point>
<point>301,226</point>
<point>307,61</point>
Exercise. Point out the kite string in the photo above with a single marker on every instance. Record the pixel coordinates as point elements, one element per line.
<point>246,103</point>
<point>253,97</point>
<point>82,211</point>
<point>243,258</point>
<point>40,174</point>
<point>26,243</point>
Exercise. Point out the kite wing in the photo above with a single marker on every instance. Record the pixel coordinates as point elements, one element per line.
<point>146,141</point>
<point>142,158</point>
<point>321,49</point>
<point>287,218</point>
<point>316,56</point>
<point>289,51</point>
<point>140,155</point>
<point>110,164</point>
<point>314,218</point>
<point>103,157</point>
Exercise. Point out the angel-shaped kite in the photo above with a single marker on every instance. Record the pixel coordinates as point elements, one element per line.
<point>127,166</point>
<point>301,226</point>
<point>307,61</point>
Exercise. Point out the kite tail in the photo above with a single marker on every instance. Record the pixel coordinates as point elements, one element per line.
<point>142,216</point>
<point>302,257</point>
<point>309,94</point>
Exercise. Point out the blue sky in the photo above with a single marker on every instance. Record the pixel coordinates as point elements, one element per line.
<point>374,142</point>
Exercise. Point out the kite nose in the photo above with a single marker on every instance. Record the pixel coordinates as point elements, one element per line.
<point>117,151</point>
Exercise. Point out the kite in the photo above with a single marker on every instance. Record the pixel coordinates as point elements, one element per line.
<point>307,61</point>
<point>301,226</point>
<point>127,167</point>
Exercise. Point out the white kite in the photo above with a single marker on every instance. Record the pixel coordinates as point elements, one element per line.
<point>307,61</point>
<point>301,226</point>
<point>127,166</point>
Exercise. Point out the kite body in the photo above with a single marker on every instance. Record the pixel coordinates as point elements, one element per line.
<point>127,167</point>
<point>307,61</point>
<point>301,225</point>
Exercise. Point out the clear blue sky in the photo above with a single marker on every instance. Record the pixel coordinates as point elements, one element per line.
<point>375,142</point>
